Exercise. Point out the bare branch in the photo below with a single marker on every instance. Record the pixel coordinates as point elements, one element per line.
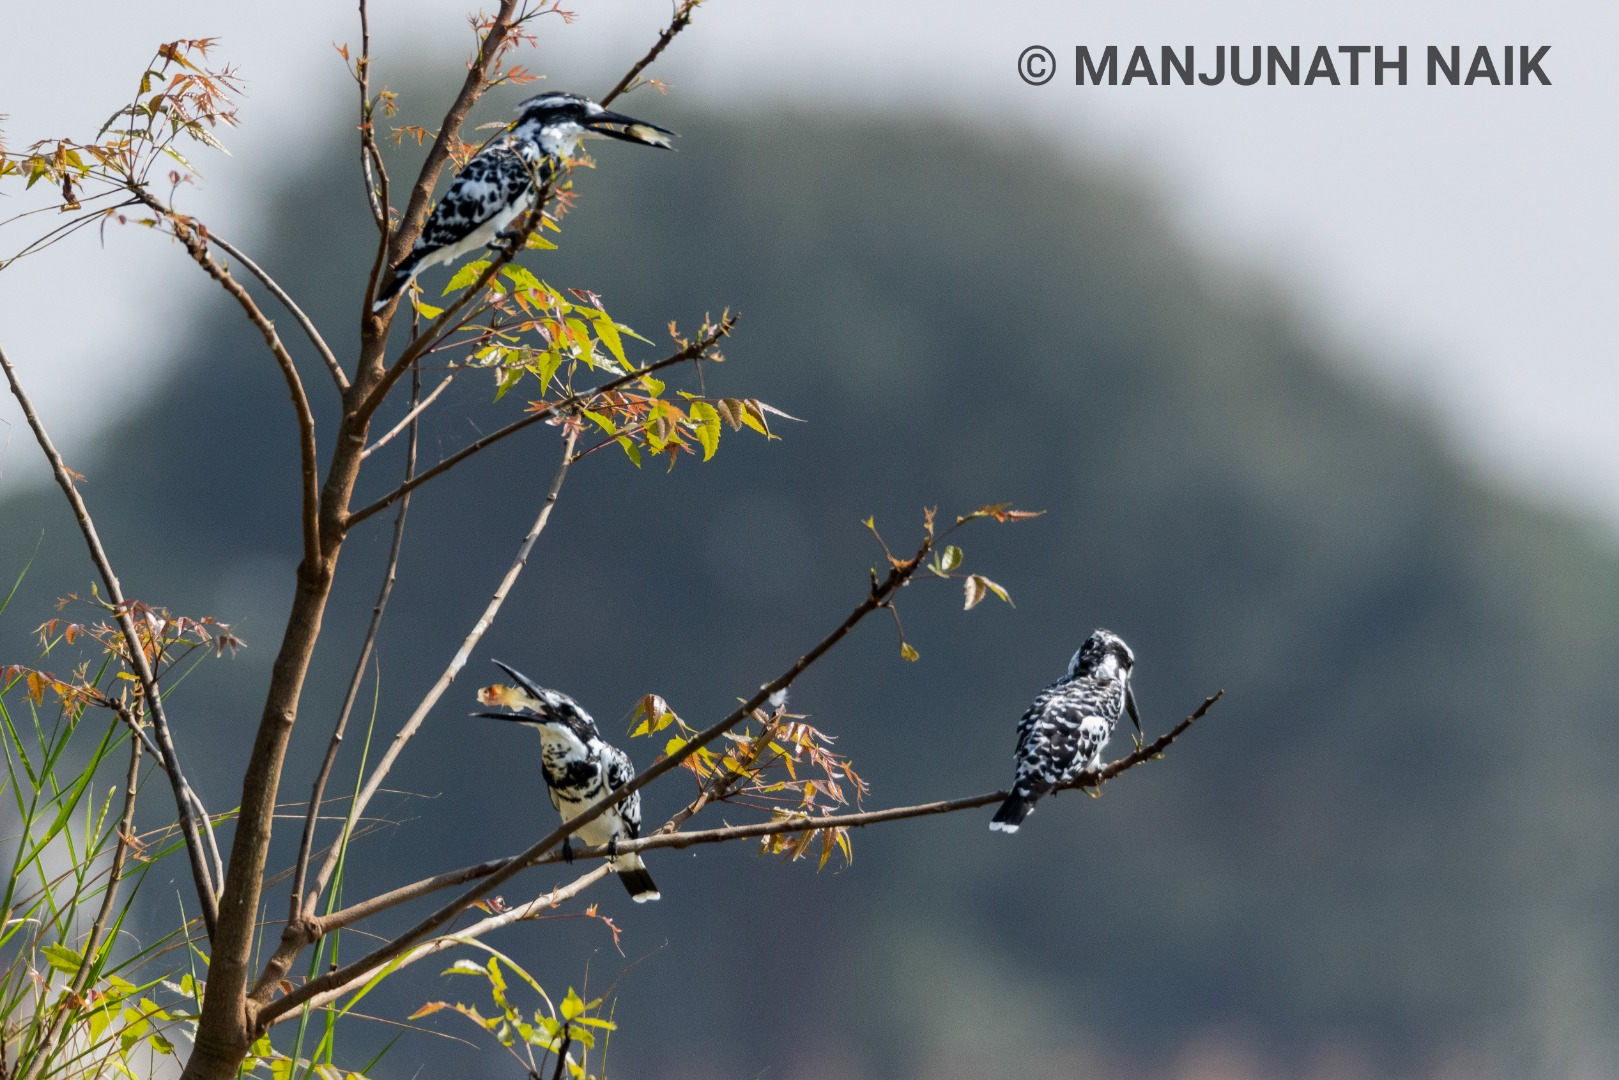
<point>287,302</point>
<point>532,909</point>
<point>409,419</point>
<point>372,167</point>
<point>318,791</point>
<point>692,351</point>
<point>193,239</point>
<point>681,20</point>
<point>153,699</point>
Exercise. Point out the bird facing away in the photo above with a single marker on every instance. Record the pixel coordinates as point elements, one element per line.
<point>1064,731</point>
<point>579,768</point>
<point>503,179</point>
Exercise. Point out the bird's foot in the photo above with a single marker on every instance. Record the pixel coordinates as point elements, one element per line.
<point>567,849</point>
<point>505,243</point>
<point>612,848</point>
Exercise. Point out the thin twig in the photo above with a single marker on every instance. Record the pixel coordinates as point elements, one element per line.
<point>681,20</point>
<point>530,910</point>
<point>292,307</point>
<point>409,419</point>
<point>137,654</point>
<point>318,791</point>
<point>192,238</point>
<point>210,842</point>
<point>92,943</point>
<point>372,168</point>
<point>692,351</point>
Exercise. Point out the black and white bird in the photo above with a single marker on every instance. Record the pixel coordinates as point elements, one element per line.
<point>1064,731</point>
<point>503,179</point>
<point>579,768</point>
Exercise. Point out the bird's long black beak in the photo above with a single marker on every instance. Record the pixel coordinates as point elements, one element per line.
<point>528,684</point>
<point>618,126</point>
<point>1130,707</point>
<point>516,718</point>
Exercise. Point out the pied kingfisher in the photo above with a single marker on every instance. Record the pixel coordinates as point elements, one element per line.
<point>579,768</point>
<point>1064,731</point>
<point>502,180</point>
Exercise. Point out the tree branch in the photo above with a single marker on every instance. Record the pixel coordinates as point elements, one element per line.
<point>287,302</point>
<point>297,933</point>
<point>194,240</point>
<point>318,791</point>
<point>409,419</point>
<point>421,193</point>
<point>372,168</point>
<point>664,838</point>
<point>882,592</point>
<point>137,654</point>
<point>681,20</point>
<point>692,351</point>
<point>532,909</point>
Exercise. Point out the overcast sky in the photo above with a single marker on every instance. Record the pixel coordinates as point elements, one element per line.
<point>1460,240</point>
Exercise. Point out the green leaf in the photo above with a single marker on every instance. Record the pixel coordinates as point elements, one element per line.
<point>632,451</point>
<point>466,276</point>
<point>600,421</point>
<point>464,967</point>
<point>540,243</point>
<point>573,1005</point>
<point>580,334</point>
<point>428,310</point>
<point>608,333</point>
<point>706,420</point>
<point>908,652</point>
<point>951,558</point>
<point>651,385</point>
<point>520,277</point>
<point>507,381</point>
<point>63,959</point>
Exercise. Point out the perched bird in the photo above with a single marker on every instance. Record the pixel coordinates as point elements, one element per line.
<point>503,179</point>
<point>1064,731</point>
<point>579,768</point>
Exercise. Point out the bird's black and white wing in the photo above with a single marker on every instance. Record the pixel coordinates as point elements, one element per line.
<point>1060,736</point>
<point>630,869</point>
<point>495,188</point>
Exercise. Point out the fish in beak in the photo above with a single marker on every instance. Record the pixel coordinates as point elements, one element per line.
<point>618,126</point>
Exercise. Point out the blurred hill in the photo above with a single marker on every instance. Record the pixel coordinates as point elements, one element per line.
<point>1392,850</point>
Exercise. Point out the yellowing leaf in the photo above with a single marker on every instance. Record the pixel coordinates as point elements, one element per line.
<point>908,652</point>
<point>978,586</point>
<point>706,420</point>
<point>975,590</point>
<point>466,276</point>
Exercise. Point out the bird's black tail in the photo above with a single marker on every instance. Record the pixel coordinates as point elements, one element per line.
<point>632,872</point>
<point>404,273</point>
<point>1012,812</point>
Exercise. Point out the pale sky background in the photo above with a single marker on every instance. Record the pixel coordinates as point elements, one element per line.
<point>1459,242</point>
